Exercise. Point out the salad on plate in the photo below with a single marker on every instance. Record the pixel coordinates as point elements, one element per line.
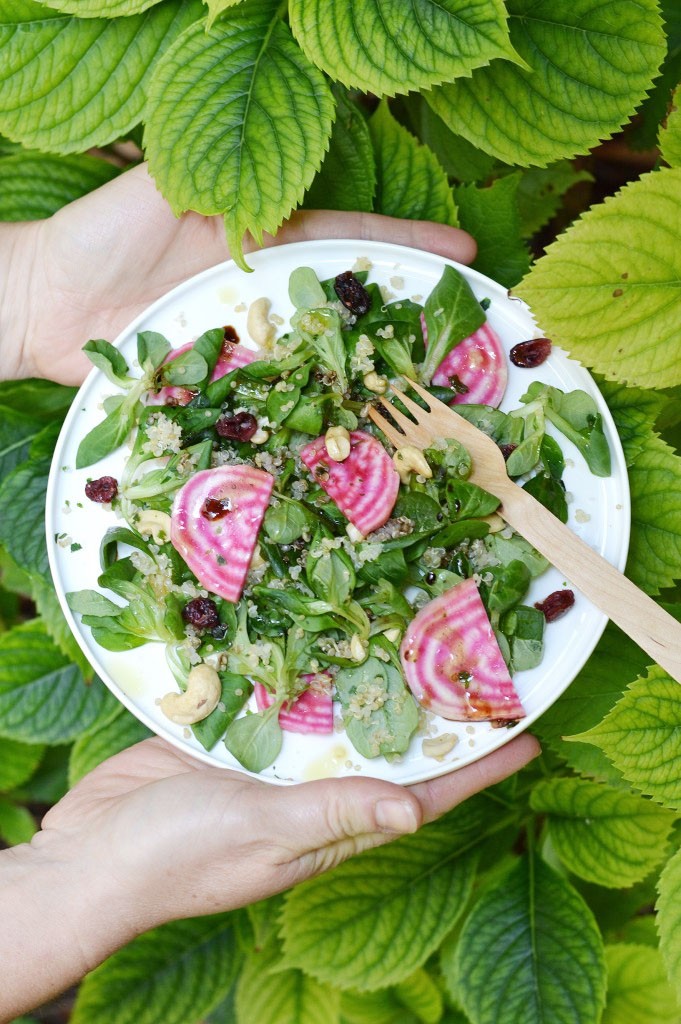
<point>303,575</point>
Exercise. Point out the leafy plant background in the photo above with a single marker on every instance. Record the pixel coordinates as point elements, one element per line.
<point>557,894</point>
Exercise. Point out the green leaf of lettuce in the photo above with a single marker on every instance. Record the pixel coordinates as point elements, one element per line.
<point>93,72</point>
<point>214,142</point>
<point>530,952</point>
<point>409,179</point>
<point>642,737</point>
<point>588,68</point>
<point>608,289</point>
<point>388,48</point>
<point>605,835</point>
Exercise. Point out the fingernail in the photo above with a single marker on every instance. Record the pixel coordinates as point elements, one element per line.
<point>396,816</point>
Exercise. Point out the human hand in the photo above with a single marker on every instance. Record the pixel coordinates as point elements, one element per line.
<point>100,261</point>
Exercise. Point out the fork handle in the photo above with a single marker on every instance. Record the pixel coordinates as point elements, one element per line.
<point>649,625</point>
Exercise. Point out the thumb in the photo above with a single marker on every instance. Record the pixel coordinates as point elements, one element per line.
<point>319,824</point>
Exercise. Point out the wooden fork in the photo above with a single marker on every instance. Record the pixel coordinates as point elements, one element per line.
<point>653,629</point>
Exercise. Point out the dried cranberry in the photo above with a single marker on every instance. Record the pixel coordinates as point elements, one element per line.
<point>352,293</point>
<point>103,490</point>
<point>240,427</point>
<point>215,508</point>
<point>507,450</point>
<point>530,353</point>
<point>201,613</point>
<point>556,604</point>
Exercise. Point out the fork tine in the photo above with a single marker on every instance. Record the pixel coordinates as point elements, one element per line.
<point>414,433</point>
<point>392,433</point>
<point>432,402</point>
<point>417,412</point>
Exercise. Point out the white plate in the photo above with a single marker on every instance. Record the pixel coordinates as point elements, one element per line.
<point>599,509</point>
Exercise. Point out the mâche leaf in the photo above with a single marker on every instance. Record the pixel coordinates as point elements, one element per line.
<point>452,313</point>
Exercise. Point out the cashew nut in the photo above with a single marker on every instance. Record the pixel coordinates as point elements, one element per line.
<point>260,436</point>
<point>154,524</point>
<point>375,382</point>
<point>495,522</point>
<point>258,324</point>
<point>355,535</point>
<point>438,746</point>
<point>337,441</point>
<point>257,561</point>
<point>198,700</point>
<point>411,459</point>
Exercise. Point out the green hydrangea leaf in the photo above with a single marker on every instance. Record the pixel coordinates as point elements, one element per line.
<point>541,191</point>
<point>588,699</point>
<point>103,741</point>
<point>22,511</point>
<point>605,835</point>
<point>93,72</point>
<point>18,761</point>
<point>347,178</point>
<point>642,737</point>
<point>420,994</point>
<point>634,411</point>
<point>409,180</point>
<point>492,216</point>
<point>17,824</point>
<point>589,67</point>
<point>668,919</point>
<point>643,133</point>
<point>43,698</point>
<point>17,429</point>
<point>216,7</point>
<point>36,185</point>
<point>376,918</point>
<point>670,134</point>
<point>283,996</point>
<point>386,48</point>
<point>212,142</point>
<point>176,973</point>
<point>53,619</point>
<point>638,990</point>
<point>457,156</point>
<point>607,290</point>
<point>654,560</point>
<point>100,8</point>
<point>531,952</point>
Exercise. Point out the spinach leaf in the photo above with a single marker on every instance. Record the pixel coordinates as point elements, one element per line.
<point>452,313</point>
<point>468,501</point>
<point>379,713</point>
<point>235,692</point>
<point>549,492</point>
<point>255,739</point>
<point>508,585</point>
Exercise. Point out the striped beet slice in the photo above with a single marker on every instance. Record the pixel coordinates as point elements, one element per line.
<point>480,364</point>
<point>232,357</point>
<point>452,662</point>
<point>312,712</point>
<point>364,486</point>
<point>214,525</point>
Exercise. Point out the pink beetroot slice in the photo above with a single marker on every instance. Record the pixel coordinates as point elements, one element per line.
<point>215,521</point>
<point>364,486</point>
<point>479,364</point>
<point>232,357</point>
<point>452,662</point>
<point>311,712</point>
